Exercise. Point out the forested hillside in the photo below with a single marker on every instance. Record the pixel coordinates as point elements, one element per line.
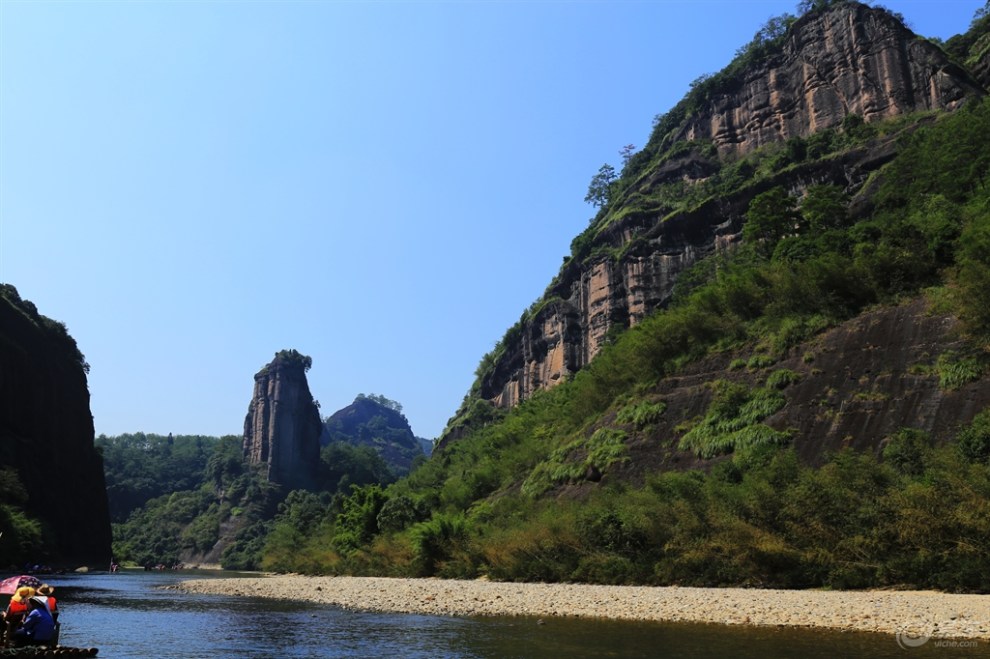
<point>196,500</point>
<point>806,407</point>
<point>174,498</point>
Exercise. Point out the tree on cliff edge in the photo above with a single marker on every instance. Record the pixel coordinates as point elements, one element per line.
<point>600,188</point>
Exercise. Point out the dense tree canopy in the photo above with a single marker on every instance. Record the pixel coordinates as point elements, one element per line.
<point>140,466</point>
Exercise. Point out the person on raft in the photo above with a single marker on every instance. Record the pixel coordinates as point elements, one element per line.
<point>48,594</point>
<point>16,610</point>
<point>38,627</point>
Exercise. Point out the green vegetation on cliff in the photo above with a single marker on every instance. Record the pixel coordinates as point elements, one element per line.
<point>526,494</point>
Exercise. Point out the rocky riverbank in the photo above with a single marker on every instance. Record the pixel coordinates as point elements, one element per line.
<point>911,614</point>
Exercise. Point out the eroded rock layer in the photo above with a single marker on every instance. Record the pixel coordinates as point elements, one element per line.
<point>282,428</point>
<point>852,60</point>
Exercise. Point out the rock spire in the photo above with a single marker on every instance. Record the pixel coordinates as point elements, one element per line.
<point>282,428</point>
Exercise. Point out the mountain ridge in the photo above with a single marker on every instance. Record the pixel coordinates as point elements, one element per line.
<point>625,265</point>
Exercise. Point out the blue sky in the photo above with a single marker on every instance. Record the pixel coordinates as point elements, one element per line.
<point>384,186</point>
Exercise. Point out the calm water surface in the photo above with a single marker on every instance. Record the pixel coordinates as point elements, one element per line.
<point>129,615</point>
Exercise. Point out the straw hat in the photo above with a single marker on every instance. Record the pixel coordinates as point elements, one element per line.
<point>23,593</point>
<point>45,590</point>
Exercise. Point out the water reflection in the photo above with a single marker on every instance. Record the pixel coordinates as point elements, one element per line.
<point>129,615</point>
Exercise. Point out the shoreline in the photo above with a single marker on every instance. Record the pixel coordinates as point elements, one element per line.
<point>913,614</point>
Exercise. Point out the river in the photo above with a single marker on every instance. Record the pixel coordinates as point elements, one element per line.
<point>128,614</point>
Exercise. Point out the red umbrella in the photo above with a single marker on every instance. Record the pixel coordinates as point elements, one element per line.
<point>10,585</point>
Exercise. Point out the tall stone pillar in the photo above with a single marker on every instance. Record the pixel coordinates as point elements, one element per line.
<point>282,428</point>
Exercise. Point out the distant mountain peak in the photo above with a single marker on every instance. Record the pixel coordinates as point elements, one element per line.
<point>379,423</point>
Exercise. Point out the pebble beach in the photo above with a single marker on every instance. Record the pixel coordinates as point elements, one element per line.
<point>912,614</point>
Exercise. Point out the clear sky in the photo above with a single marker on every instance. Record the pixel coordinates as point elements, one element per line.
<point>384,186</point>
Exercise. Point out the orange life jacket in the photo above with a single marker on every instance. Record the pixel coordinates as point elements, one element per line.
<point>16,608</point>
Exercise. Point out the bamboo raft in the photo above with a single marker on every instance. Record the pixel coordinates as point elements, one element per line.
<point>38,651</point>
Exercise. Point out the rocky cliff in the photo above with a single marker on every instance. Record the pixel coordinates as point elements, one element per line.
<point>46,432</point>
<point>849,60</point>
<point>282,428</point>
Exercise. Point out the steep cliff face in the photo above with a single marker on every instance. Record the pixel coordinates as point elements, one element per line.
<point>282,428</point>
<point>850,59</point>
<point>592,297</point>
<point>46,432</point>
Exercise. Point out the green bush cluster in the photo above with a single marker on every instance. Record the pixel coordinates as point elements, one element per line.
<point>576,461</point>
<point>974,440</point>
<point>760,361</point>
<point>293,357</point>
<point>436,541</point>
<point>641,414</point>
<point>733,420</point>
<point>907,451</point>
<point>782,378</point>
<point>955,371</point>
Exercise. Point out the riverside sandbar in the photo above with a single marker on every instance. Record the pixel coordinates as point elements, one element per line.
<point>912,613</point>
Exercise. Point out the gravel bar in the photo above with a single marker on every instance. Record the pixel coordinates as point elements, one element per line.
<point>914,613</point>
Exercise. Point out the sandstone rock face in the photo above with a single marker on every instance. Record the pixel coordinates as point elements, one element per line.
<point>848,60</point>
<point>590,300</point>
<point>282,428</point>
<point>852,60</point>
<point>46,432</point>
